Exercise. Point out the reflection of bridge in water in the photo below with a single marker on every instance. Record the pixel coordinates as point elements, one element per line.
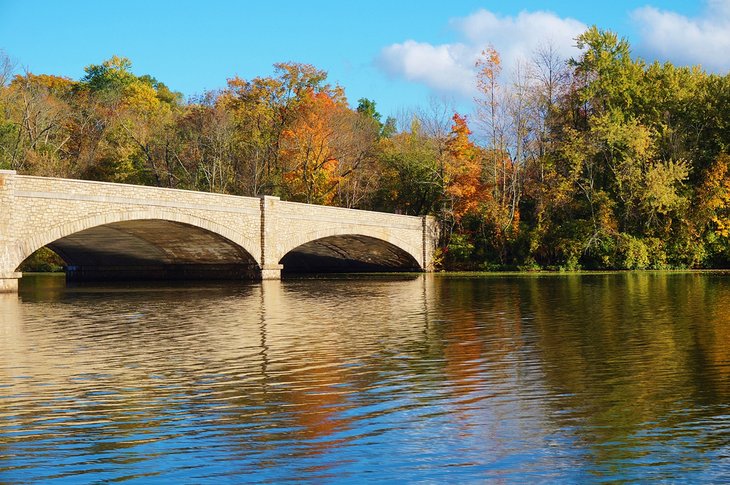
<point>258,333</point>
<point>108,231</point>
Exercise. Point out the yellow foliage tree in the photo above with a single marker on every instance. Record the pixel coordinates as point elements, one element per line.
<point>715,195</point>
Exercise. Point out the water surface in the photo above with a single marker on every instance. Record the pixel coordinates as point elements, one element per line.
<point>578,378</point>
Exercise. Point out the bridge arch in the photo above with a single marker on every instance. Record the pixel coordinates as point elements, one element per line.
<point>142,237</point>
<point>342,250</point>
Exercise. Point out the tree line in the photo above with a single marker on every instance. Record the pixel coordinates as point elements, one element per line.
<point>603,161</point>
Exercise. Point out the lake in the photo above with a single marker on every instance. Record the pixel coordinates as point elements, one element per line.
<point>517,378</point>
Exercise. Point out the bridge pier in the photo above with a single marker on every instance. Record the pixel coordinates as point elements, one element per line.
<point>9,282</point>
<point>271,271</point>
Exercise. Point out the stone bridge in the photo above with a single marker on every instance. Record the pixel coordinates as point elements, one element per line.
<point>107,231</point>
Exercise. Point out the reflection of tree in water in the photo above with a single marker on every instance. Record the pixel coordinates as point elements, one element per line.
<point>629,355</point>
<point>474,357</point>
<point>482,333</point>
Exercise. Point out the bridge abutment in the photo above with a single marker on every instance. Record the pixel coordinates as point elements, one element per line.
<point>8,276</point>
<point>9,282</point>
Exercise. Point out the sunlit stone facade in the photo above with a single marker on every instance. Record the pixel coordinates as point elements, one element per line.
<point>100,228</point>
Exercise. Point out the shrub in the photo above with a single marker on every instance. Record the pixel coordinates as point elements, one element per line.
<point>631,252</point>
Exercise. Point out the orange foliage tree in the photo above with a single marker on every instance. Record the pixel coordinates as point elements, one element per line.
<point>307,149</point>
<point>463,184</point>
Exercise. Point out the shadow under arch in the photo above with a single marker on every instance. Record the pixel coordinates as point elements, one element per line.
<point>136,246</point>
<point>348,253</point>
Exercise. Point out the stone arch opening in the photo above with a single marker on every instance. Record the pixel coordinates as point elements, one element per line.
<point>348,253</point>
<point>152,249</point>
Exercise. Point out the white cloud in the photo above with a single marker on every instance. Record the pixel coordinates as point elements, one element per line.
<point>448,69</point>
<point>701,40</point>
<point>441,67</point>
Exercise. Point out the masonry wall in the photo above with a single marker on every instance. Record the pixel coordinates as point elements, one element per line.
<point>46,209</point>
<point>8,277</point>
<point>291,224</point>
<point>35,211</point>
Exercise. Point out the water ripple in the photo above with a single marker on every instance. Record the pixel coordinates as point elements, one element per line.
<point>540,379</point>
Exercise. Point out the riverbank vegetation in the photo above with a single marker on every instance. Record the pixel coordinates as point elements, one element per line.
<point>600,162</point>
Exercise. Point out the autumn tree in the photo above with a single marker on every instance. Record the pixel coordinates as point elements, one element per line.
<point>713,208</point>
<point>263,108</point>
<point>308,153</point>
<point>357,147</point>
<point>411,173</point>
<point>37,104</point>
<point>118,118</point>
<point>463,185</point>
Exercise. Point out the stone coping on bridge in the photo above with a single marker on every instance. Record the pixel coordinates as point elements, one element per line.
<point>188,192</point>
<point>123,186</point>
<point>351,210</point>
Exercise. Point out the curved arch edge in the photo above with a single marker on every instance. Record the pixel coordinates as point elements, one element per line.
<point>343,257</point>
<point>28,246</point>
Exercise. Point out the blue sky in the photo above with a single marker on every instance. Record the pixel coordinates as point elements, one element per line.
<point>398,53</point>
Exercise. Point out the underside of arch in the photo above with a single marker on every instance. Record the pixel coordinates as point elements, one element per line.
<point>348,253</point>
<point>152,249</point>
